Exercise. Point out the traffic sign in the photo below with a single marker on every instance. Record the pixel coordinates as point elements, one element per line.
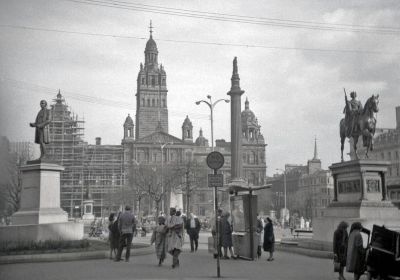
<point>216,180</point>
<point>215,160</point>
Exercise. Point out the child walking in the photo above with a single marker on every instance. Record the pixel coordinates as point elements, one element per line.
<point>158,237</point>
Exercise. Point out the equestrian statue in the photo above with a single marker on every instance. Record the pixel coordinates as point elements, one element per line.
<point>359,121</point>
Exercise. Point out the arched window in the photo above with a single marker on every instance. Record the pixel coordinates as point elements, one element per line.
<point>153,81</point>
<point>143,80</point>
<point>163,81</point>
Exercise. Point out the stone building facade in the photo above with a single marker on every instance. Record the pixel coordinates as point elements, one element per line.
<point>148,155</point>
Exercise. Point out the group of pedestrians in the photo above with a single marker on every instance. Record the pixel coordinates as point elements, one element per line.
<point>121,229</point>
<point>348,250</point>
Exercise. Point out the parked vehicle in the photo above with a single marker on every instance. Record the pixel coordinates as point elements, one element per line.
<point>383,254</point>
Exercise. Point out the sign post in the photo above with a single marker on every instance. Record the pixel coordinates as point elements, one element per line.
<point>215,160</point>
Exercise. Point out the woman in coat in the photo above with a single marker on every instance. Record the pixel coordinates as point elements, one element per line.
<point>340,240</point>
<point>355,252</point>
<point>159,238</point>
<point>227,236</point>
<point>113,234</point>
<point>269,239</point>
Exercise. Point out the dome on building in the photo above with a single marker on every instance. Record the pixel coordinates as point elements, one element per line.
<point>247,115</point>
<point>128,120</point>
<point>151,45</point>
<point>187,122</point>
<point>201,140</point>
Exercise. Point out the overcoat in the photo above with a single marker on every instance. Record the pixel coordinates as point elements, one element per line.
<point>355,253</point>
<point>175,233</point>
<point>269,238</point>
<point>226,233</point>
<point>159,239</point>
<point>340,240</point>
<point>42,133</point>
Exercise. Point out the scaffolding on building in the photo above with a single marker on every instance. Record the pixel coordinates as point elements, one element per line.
<point>94,168</point>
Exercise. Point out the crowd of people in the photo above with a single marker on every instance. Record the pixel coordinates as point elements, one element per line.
<point>348,250</point>
<point>168,235</point>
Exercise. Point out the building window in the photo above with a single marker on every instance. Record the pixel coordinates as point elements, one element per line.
<point>143,102</point>
<point>382,155</point>
<point>153,103</point>
<point>163,81</point>
<point>164,103</point>
<point>148,102</point>
<point>389,155</point>
<point>143,81</point>
<point>397,154</point>
<point>153,81</point>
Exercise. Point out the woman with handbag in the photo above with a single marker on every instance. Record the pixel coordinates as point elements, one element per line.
<point>340,239</point>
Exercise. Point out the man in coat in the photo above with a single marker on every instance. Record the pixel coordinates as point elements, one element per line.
<point>175,236</point>
<point>126,226</point>
<point>193,228</point>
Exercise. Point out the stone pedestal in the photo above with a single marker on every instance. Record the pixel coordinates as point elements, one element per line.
<point>40,195</point>
<point>40,216</point>
<point>88,216</point>
<point>359,195</point>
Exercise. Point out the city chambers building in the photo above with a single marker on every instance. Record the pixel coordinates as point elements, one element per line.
<point>150,163</point>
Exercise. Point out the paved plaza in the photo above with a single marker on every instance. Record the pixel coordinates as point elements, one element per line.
<point>198,265</point>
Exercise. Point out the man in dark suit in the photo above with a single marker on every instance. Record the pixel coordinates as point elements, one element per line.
<point>126,227</point>
<point>193,228</point>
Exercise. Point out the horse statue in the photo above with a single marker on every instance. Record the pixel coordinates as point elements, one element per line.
<point>366,124</point>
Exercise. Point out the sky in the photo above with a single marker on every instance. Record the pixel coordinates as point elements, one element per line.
<point>294,59</point>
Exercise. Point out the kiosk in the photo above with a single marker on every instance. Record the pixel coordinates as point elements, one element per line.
<point>243,204</point>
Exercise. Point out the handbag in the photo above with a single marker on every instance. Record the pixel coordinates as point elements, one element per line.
<point>336,266</point>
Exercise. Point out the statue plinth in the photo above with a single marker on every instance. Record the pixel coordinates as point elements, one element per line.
<point>359,195</point>
<point>40,216</point>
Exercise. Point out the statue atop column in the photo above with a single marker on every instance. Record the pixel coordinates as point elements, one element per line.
<point>42,128</point>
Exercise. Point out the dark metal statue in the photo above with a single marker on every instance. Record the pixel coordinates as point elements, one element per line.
<point>42,128</point>
<point>359,121</point>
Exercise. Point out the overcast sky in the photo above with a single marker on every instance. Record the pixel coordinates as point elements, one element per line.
<point>293,76</point>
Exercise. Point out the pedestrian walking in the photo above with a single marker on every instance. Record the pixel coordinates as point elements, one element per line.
<point>227,236</point>
<point>217,239</point>
<point>260,234</point>
<point>193,228</point>
<point>159,239</point>
<point>340,240</point>
<point>269,239</point>
<point>126,226</point>
<point>113,235</point>
<point>355,261</point>
<point>175,236</point>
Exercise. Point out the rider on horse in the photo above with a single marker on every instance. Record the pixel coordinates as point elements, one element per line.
<point>352,113</point>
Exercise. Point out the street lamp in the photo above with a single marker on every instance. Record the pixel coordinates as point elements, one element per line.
<point>211,105</point>
<point>162,175</point>
<point>284,195</point>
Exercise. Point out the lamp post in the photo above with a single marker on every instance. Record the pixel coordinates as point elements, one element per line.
<point>211,105</point>
<point>284,195</point>
<point>162,175</point>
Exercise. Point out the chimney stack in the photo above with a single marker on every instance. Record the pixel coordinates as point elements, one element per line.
<point>398,117</point>
<point>98,140</point>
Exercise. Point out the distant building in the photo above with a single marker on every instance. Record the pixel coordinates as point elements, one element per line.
<point>386,147</point>
<point>147,151</point>
<point>309,189</point>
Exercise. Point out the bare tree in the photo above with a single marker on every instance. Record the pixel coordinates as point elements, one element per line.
<point>10,177</point>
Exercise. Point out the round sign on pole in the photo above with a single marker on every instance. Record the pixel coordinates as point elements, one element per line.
<point>215,160</point>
